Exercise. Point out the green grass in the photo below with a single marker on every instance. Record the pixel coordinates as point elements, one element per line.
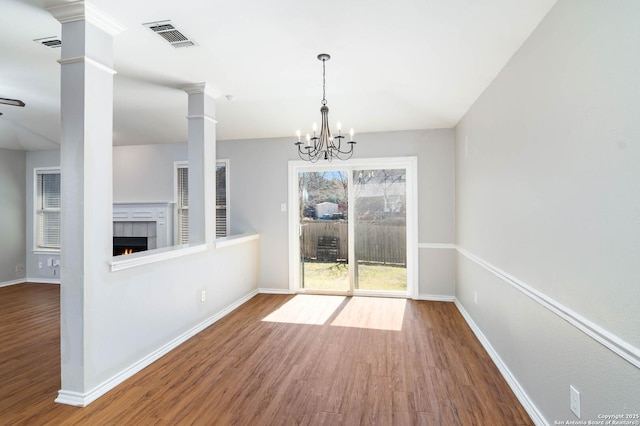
<point>335,276</point>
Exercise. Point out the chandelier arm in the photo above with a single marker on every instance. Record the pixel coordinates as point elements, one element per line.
<point>338,145</point>
<point>349,151</point>
<point>308,156</point>
<point>309,153</point>
<point>300,153</point>
<point>318,146</point>
<point>344,155</point>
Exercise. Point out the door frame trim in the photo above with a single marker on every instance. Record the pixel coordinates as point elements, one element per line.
<point>411,166</point>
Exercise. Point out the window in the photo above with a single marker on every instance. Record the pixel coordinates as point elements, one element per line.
<point>47,209</point>
<point>182,203</point>
<point>182,200</point>
<point>222,192</point>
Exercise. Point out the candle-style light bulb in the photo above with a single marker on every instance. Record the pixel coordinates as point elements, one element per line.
<point>314,127</point>
<point>351,134</point>
<point>339,126</point>
<point>298,135</point>
<point>308,139</point>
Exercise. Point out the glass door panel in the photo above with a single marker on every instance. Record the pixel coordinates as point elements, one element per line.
<point>380,200</point>
<point>324,245</point>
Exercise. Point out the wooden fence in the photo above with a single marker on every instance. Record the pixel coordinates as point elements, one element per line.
<point>376,243</point>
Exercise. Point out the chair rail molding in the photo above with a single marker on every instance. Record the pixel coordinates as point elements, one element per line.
<point>609,340</point>
<point>448,246</point>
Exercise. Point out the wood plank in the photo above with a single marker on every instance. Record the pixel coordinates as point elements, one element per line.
<point>245,370</point>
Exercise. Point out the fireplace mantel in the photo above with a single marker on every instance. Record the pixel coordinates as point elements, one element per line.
<point>160,212</point>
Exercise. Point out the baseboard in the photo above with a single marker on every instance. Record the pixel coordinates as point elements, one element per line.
<point>84,399</point>
<point>429,297</point>
<point>71,398</point>
<point>436,298</point>
<point>511,380</point>
<point>274,291</point>
<point>380,293</point>
<point>30,280</point>
<point>13,282</point>
<point>43,280</point>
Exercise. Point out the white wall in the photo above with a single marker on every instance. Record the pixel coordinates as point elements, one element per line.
<point>12,216</point>
<point>133,314</point>
<point>548,195</point>
<point>259,185</point>
<point>35,159</point>
<point>145,173</point>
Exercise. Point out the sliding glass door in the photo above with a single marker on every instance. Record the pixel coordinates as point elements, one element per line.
<point>380,197</point>
<point>324,241</point>
<point>351,227</point>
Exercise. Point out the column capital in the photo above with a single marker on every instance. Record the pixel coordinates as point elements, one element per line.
<point>81,10</point>
<point>197,88</point>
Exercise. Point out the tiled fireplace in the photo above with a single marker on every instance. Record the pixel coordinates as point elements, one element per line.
<point>141,226</point>
<point>132,237</point>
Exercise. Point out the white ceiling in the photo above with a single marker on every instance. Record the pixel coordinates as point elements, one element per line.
<point>406,64</point>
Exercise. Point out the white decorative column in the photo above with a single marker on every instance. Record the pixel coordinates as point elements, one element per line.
<point>86,182</point>
<point>202,164</point>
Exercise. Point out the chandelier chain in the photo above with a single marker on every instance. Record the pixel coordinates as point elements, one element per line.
<point>324,84</point>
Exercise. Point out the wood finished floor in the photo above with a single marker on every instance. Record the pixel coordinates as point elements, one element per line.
<point>246,371</point>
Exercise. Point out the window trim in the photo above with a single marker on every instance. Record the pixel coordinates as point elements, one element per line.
<point>36,172</point>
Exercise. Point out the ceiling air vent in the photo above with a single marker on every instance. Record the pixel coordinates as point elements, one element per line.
<point>50,42</point>
<point>167,31</point>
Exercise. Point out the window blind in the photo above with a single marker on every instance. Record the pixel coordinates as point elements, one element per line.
<point>182,180</point>
<point>48,210</point>
<point>221,200</point>
<point>182,185</point>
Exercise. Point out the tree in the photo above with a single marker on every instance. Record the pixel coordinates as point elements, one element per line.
<point>317,187</point>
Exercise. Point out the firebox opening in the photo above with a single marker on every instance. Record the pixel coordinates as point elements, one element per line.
<point>128,245</point>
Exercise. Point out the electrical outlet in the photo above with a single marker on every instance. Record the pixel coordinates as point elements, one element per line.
<point>574,400</point>
<point>203,296</point>
<point>39,265</point>
<point>283,207</point>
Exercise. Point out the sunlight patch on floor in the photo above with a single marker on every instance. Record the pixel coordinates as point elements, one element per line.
<point>375,313</point>
<point>306,309</point>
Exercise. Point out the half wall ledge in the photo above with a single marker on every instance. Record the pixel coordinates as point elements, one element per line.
<point>119,263</point>
<point>233,240</point>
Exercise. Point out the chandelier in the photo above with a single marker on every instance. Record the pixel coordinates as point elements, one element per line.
<point>323,144</point>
